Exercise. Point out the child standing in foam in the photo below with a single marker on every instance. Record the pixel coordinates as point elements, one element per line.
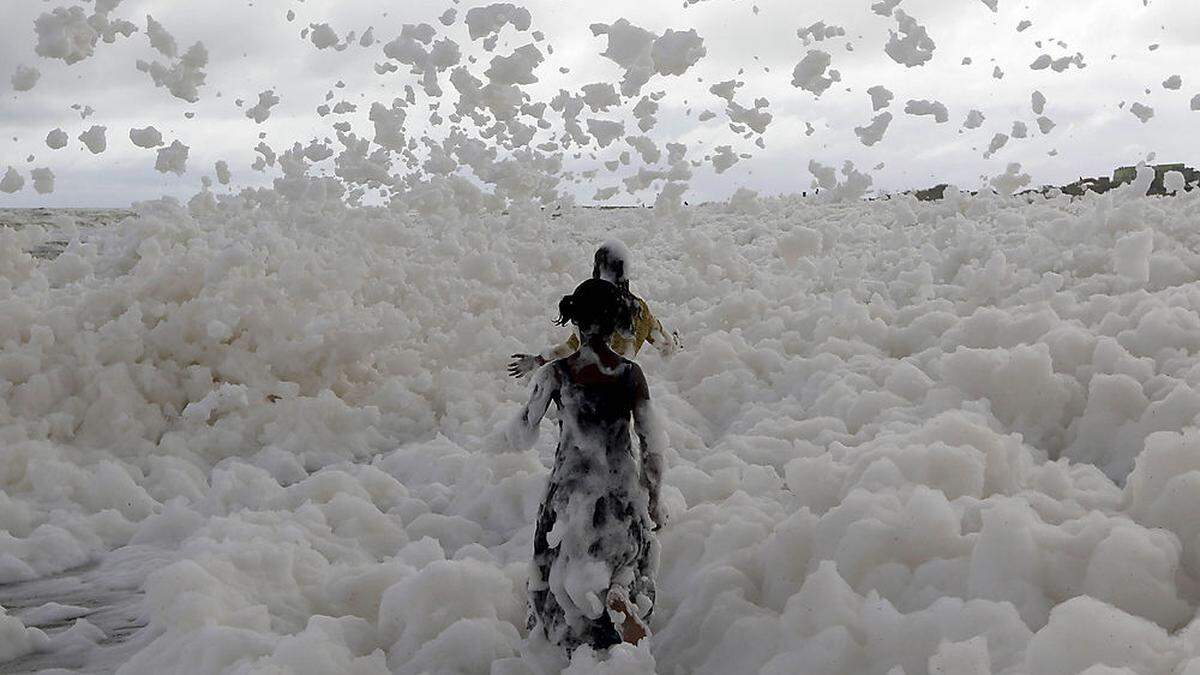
<point>612,265</point>
<point>591,581</point>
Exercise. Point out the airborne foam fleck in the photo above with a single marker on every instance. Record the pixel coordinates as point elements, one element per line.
<point>25,78</point>
<point>95,139</point>
<point>172,159</point>
<point>147,137</point>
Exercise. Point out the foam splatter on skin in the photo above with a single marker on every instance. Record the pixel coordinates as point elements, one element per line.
<point>593,528</point>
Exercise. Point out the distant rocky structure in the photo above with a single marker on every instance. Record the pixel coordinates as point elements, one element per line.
<point>932,194</point>
<point>1122,176</point>
<point>82,222</point>
<point>1127,174</point>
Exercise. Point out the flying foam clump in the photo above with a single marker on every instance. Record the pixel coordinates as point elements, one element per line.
<point>642,53</point>
<point>12,181</point>
<point>998,142</point>
<point>43,180</point>
<point>873,133</point>
<point>605,131</point>
<point>885,7</point>
<point>161,39</point>
<point>184,76</point>
<point>172,158</point>
<point>819,32</point>
<point>262,110</point>
<point>915,48</point>
<point>486,22</point>
<point>415,48</point>
<point>25,78</point>
<point>107,27</point>
<point>1142,111</point>
<point>56,139</point>
<point>148,137</point>
<point>1011,180</point>
<point>95,138</point>
<point>851,187</point>
<point>923,107</point>
<point>810,73</point>
<point>881,97</point>
<point>389,125</point>
<point>757,119</point>
<point>674,52</point>
<point>64,33</point>
<point>1058,65</point>
<point>323,36</point>
<point>724,158</point>
<point>1038,102</point>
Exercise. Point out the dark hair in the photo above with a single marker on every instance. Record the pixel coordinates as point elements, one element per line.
<point>611,257</point>
<point>600,304</point>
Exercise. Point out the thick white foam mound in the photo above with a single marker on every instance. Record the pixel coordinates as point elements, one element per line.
<point>894,432</point>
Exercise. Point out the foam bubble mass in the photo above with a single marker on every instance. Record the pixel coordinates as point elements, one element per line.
<point>262,429</point>
<point>888,444</point>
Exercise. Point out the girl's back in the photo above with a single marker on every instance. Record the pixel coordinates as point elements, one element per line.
<point>593,549</point>
<point>597,395</point>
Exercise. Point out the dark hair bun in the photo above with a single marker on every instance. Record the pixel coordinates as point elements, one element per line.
<point>598,305</point>
<point>565,310</point>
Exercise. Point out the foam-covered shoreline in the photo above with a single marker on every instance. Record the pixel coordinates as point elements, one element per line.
<point>298,402</point>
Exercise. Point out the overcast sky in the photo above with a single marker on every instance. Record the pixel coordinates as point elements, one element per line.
<point>253,47</point>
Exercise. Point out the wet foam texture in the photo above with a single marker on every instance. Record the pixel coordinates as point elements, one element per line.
<point>951,435</point>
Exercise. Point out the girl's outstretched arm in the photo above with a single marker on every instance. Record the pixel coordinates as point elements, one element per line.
<point>656,334</point>
<point>652,442</point>
<point>523,363</point>
<point>522,433</point>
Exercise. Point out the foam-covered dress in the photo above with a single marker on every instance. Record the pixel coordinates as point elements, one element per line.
<point>594,529</point>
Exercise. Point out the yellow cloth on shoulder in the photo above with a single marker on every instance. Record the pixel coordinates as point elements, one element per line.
<point>644,326</point>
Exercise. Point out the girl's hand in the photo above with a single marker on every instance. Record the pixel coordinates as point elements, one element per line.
<point>524,363</point>
<point>657,514</point>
